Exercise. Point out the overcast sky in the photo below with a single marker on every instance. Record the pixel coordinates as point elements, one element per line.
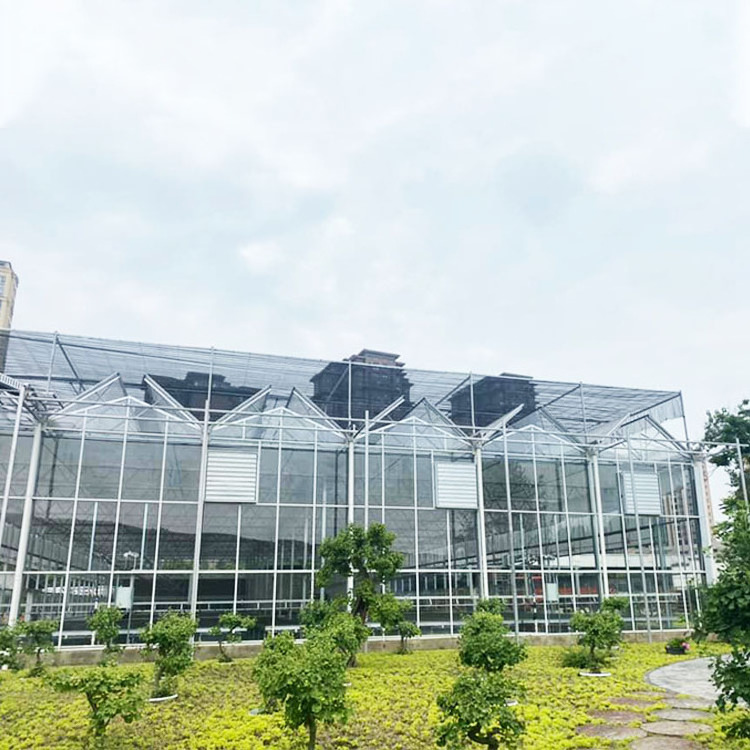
<point>556,188</point>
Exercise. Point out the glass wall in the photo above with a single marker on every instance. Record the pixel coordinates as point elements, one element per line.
<point>116,511</point>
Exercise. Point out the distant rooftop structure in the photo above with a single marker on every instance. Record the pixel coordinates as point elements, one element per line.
<point>346,390</point>
<point>8,288</point>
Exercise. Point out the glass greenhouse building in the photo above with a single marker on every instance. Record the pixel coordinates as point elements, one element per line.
<point>161,477</point>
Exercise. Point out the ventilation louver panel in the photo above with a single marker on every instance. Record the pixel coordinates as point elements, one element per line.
<point>231,476</point>
<point>647,495</point>
<point>456,483</point>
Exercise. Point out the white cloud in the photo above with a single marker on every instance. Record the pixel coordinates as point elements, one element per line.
<point>537,187</point>
<point>656,158</point>
<point>261,257</point>
<point>742,63</point>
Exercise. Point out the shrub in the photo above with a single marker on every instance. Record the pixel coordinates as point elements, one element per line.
<point>227,631</point>
<point>407,629</point>
<point>484,643</point>
<point>390,611</point>
<point>493,606</point>
<point>617,604</point>
<point>171,638</point>
<point>267,671</point>
<point>577,658</point>
<point>599,632</point>
<point>476,709</point>
<point>306,679</point>
<point>110,692</point>
<point>345,632</point>
<point>316,614</point>
<point>391,614</point>
<point>676,644</point>
<point>36,639</point>
<point>731,675</point>
<point>105,622</point>
<point>10,647</point>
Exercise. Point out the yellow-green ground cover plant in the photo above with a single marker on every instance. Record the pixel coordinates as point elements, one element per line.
<point>392,700</point>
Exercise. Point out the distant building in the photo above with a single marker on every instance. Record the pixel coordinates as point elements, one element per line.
<point>191,391</point>
<point>490,398</point>
<point>8,287</point>
<point>373,387</point>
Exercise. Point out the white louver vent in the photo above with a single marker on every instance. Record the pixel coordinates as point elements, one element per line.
<point>231,476</point>
<point>456,484</point>
<point>647,495</point>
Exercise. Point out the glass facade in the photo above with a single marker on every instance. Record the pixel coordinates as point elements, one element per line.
<point>118,494</point>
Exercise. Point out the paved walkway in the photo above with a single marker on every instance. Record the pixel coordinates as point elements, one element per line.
<point>691,677</point>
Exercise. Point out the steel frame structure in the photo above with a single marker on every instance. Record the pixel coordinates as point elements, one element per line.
<point>90,472</point>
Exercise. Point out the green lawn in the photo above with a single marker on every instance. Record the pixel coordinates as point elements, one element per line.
<point>393,700</point>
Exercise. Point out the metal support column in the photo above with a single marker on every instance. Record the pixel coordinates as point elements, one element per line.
<point>484,577</point>
<point>703,516</point>
<point>642,560</point>
<point>23,541</point>
<point>11,461</point>
<point>199,515</point>
<point>350,500</point>
<point>743,481</point>
<point>594,463</point>
<point>511,535</point>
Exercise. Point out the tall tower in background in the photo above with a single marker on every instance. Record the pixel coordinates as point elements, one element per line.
<point>8,287</point>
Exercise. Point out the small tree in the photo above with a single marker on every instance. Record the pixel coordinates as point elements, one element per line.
<point>36,639</point>
<point>406,630</point>
<point>345,632</point>
<point>477,709</point>
<point>484,643</point>
<point>365,555</point>
<point>227,631</point>
<point>390,611</point>
<point>110,692</point>
<point>315,615</point>
<point>391,614</point>
<point>617,604</point>
<point>725,609</point>
<point>105,622</point>
<point>10,647</point>
<point>599,632</point>
<point>307,679</point>
<point>493,606</point>
<point>267,669</point>
<point>171,638</point>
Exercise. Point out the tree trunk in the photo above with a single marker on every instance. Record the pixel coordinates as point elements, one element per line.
<point>483,739</point>
<point>312,729</point>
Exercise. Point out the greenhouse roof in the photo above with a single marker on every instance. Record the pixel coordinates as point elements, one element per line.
<point>60,367</point>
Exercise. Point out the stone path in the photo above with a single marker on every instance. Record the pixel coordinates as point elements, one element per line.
<point>664,729</point>
<point>691,677</point>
